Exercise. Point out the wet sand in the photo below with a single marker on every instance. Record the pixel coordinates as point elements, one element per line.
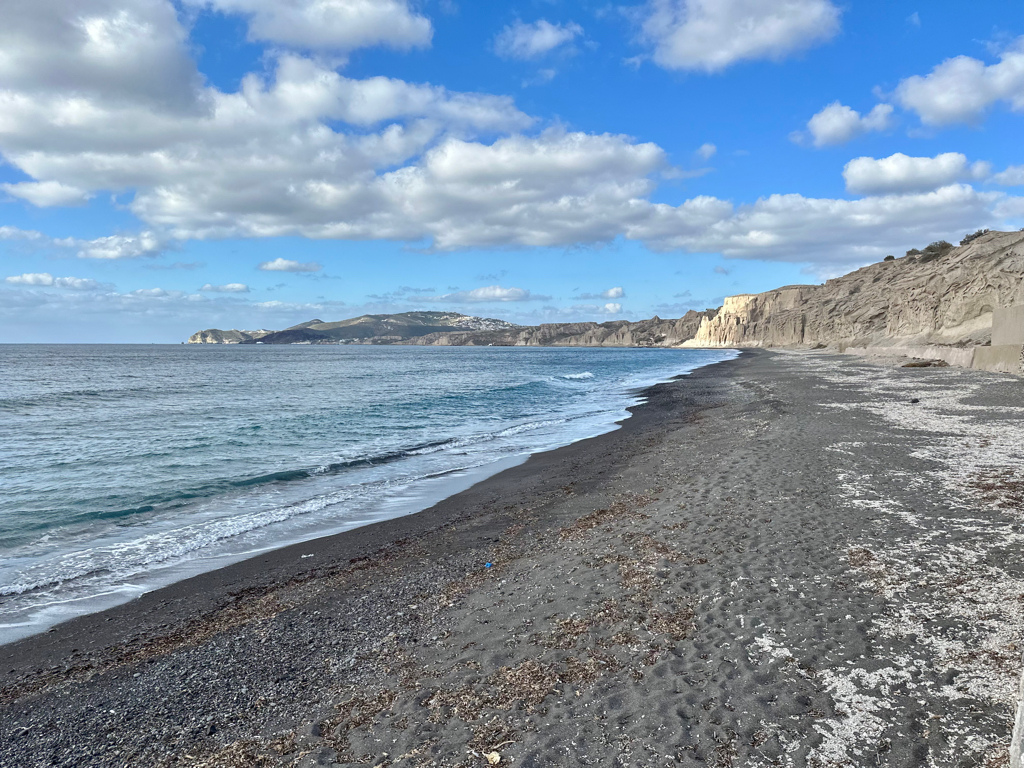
<point>782,560</point>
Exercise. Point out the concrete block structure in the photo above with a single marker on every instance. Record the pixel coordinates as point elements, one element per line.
<point>1007,351</point>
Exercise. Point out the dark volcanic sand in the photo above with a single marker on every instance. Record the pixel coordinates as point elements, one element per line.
<point>778,561</point>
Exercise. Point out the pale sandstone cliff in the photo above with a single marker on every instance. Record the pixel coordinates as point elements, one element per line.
<point>217,336</point>
<point>942,307</point>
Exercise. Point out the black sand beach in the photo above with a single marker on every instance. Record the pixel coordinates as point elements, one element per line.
<point>790,559</point>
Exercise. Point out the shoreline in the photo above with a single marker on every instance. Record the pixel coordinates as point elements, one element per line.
<point>287,562</point>
<point>408,497</point>
<point>789,559</point>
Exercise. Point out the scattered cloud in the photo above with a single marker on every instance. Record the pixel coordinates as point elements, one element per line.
<point>116,246</point>
<point>838,124</point>
<point>492,277</point>
<point>711,35</point>
<point>330,25</point>
<point>1013,176</point>
<point>111,247</point>
<point>112,101</point>
<point>48,280</point>
<point>706,151</point>
<point>489,293</point>
<point>31,278</point>
<point>611,293</point>
<point>229,288</point>
<point>8,232</point>
<point>532,41</point>
<point>914,19</point>
<point>900,173</point>
<point>682,173</point>
<point>402,292</point>
<point>820,231</point>
<point>47,194</point>
<point>962,89</point>
<point>188,265</point>
<point>154,314</point>
<point>287,265</point>
<point>542,77</point>
<point>720,270</point>
<point>609,308</point>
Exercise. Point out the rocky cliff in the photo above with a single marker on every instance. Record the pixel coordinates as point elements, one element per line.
<point>217,336</point>
<point>620,333</point>
<point>939,303</point>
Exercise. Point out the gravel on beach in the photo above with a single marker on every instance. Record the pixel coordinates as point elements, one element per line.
<point>788,559</point>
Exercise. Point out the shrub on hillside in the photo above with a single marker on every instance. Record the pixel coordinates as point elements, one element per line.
<point>935,250</point>
<point>975,236</point>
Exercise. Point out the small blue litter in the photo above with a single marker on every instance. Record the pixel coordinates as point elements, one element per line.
<point>488,565</point>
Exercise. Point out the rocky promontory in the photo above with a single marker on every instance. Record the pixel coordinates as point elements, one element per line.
<point>959,304</point>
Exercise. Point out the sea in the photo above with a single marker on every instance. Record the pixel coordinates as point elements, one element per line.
<point>124,468</point>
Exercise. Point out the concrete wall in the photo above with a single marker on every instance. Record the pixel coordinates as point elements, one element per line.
<point>1008,325</point>
<point>1006,358</point>
<point>1006,355</point>
<point>958,356</point>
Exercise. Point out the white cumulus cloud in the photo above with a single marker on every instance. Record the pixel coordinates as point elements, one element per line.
<point>287,265</point>
<point>961,89</point>
<point>103,95</point>
<point>838,124</point>
<point>48,280</point>
<point>531,41</point>
<point>899,173</point>
<point>1013,176</point>
<point>109,247</point>
<point>336,25</point>
<point>711,35</point>
<point>47,194</point>
<point>820,231</point>
<point>31,278</point>
<point>229,288</point>
<point>116,246</point>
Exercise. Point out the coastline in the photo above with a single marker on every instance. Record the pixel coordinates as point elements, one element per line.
<point>208,590</point>
<point>747,572</point>
<point>257,481</point>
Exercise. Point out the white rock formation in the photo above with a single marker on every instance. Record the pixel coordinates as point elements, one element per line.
<point>944,307</point>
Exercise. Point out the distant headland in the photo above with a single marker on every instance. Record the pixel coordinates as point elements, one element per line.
<point>963,305</point>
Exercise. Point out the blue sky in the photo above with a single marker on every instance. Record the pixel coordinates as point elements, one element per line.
<point>171,166</point>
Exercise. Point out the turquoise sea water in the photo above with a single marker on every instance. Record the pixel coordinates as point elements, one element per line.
<point>123,468</point>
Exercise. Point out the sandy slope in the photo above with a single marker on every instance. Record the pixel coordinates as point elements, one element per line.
<point>782,560</point>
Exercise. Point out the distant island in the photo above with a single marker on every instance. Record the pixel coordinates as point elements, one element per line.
<point>963,305</point>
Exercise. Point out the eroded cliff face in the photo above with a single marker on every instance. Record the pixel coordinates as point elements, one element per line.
<point>622,333</point>
<point>908,303</point>
<point>217,336</point>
